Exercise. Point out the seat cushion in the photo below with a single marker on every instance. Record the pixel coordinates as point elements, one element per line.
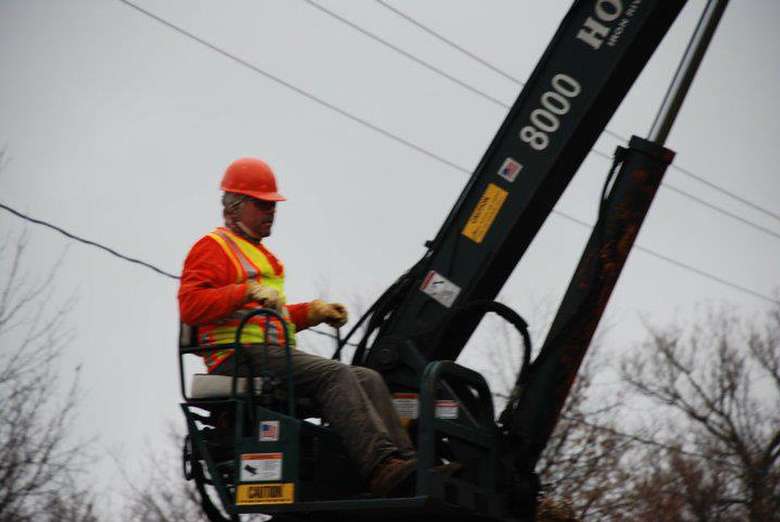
<point>205,386</point>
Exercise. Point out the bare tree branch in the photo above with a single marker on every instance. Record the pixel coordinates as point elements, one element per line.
<point>39,465</point>
<point>710,378</point>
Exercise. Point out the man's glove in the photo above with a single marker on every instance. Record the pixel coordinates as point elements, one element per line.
<point>334,314</point>
<point>265,295</point>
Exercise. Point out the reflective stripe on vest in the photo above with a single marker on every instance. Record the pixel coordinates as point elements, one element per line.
<point>251,262</point>
<point>249,270</point>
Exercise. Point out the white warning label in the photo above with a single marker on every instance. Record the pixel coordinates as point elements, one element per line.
<point>259,467</point>
<point>407,405</point>
<point>440,288</point>
<point>446,409</point>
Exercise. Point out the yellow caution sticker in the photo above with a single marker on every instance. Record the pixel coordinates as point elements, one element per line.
<point>249,494</point>
<point>485,213</point>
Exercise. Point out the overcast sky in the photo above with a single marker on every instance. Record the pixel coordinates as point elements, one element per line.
<point>118,128</point>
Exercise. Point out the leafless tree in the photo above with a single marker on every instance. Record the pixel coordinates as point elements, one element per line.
<point>582,465</point>
<point>584,461</point>
<point>161,494</point>
<point>38,462</point>
<point>718,387</point>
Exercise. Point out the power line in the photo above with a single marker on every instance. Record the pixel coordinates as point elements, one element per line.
<point>115,253</point>
<point>292,87</point>
<point>614,134</point>
<point>704,203</point>
<point>410,56</point>
<point>722,211</point>
<point>315,98</point>
<point>396,137</point>
<point>418,148</point>
<point>465,51</point>
<point>452,44</point>
<point>702,273</point>
<point>504,105</point>
<point>725,192</point>
<point>88,242</point>
<point>573,219</point>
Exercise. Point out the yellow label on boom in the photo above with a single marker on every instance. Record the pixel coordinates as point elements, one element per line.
<point>485,213</point>
<point>247,494</point>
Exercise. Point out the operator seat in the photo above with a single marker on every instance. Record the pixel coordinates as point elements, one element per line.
<point>205,387</point>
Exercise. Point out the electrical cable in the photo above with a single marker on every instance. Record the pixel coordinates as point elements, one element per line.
<point>721,210</point>
<point>420,61</point>
<point>88,242</point>
<point>344,341</point>
<point>614,134</point>
<point>410,56</point>
<point>381,312</point>
<point>705,203</point>
<point>451,43</point>
<point>361,121</point>
<point>406,142</point>
<point>124,257</point>
<point>594,150</point>
<point>504,105</point>
<point>725,192</point>
<point>294,88</point>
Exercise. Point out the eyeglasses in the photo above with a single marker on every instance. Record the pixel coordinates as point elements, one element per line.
<point>266,206</point>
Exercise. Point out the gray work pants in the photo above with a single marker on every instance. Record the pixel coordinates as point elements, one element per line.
<point>354,400</point>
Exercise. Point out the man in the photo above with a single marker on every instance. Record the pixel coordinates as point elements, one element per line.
<point>230,271</point>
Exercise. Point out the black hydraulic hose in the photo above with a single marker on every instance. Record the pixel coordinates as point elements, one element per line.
<point>620,154</point>
<point>508,315</point>
<point>342,342</point>
<point>520,325</point>
<point>503,311</point>
<point>383,307</point>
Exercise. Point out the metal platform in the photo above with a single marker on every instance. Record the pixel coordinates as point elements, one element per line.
<point>410,509</point>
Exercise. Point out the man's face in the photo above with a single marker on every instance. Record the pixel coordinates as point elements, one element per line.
<point>258,216</point>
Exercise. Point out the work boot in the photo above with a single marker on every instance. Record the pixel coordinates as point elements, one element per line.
<point>393,477</point>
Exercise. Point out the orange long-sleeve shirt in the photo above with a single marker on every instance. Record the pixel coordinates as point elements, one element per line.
<point>208,290</point>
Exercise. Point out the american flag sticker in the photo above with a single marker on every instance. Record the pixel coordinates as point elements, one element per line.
<point>269,431</point>
<point>510,169</point>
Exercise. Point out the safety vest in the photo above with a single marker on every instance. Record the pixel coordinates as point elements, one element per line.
<point>251,262</point>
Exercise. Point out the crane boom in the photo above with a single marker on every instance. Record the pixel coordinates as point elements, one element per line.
<point>596,54</point>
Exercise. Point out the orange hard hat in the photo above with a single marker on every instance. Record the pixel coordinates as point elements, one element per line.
<point>252,177</point>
